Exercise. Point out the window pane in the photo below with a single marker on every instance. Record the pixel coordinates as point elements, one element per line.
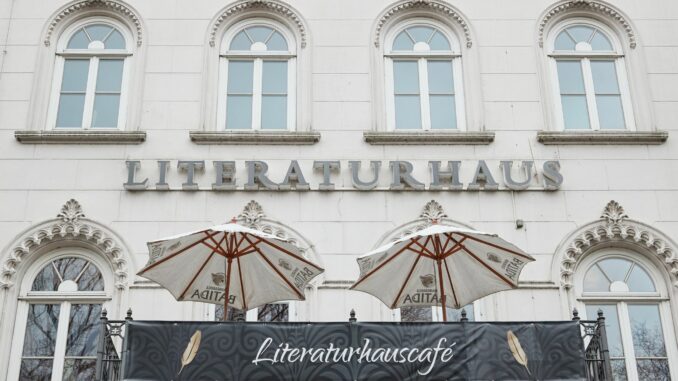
<point>420,33</point>
<point>115,41</point>
<point>655,370</point>
<point>440,79</point>
<point>439,42</point>
<point>610,113</point>
<point>595,281</point>
<point>98,32</point>
<point>277,42</point>
<point>619,370</point>
<point>416,314</point>
<point>240,42</point>
<point>274,77</point>
<point>70,267</point>
<point>639,281</point>
<point>274,112</point>
<point>259,33</point>
<point>79,369</point>
<point>646,329</point>
<point>36,370</point>
<point>407,111</point>
<point>83,331</point>
<point>46,280</point>
<point>611,326</point>
<point>41,329</point>
<point>615,269</point>
<point>564,42</point>
<point>71,107</point>
<point>75,75</point>
<point>91,279</point>
<point>443,112</point>
<point>239,111</point>
<point>405,77</point>
<point>580,32</point>
<point>575,111</point>
<point>234,314</point>
<point>403,42</point>
<point>570,77</point>
<point>273,312</point>
<point>604,77</point>
<point>106,109</point>
<point>600,42</point>
<point>109,77</point>
<point>240,77</point>
<point>78,41</point>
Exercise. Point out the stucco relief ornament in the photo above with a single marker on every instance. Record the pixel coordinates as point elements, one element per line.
<point>109,5</point>
<point>251,214</point>
<point>615,226</point>
<point>71,213</point>
<point>432,213</point>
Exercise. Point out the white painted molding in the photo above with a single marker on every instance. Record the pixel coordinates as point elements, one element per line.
<point>604,9</point>
<point>614,227</point>
<point>428,137</point>
<point>79,137</point>
<point>109,5</point>
<point>602,137</point>
<point>69,226</point>
<point>255,137</point>
<point>431,5</point>
<point>268,5</point>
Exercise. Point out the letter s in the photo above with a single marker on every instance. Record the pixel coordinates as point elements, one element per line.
<point>553,179</point>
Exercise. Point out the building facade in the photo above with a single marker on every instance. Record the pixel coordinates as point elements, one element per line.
<point>339,126</point>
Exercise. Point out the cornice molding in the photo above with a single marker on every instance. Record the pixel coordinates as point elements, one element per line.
<point>609,137</point>
<point>109,5</point>
<point>255,137</point>
<point>70,225</point>
<point>430,5</point>
<point>80,137</point>
<point>428,137</point>
<point>614,226</point>
<point>267,5</point>
<point>604,9</point>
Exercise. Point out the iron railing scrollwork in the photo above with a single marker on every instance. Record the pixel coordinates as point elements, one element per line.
<point>598,364</point>
<point>109,361</point>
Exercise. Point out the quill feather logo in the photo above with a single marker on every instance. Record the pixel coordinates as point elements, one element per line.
<point>191,350</point>
<point>517,350</point>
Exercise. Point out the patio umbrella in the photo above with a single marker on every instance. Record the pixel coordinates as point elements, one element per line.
<point>440,266</point>
<point>252,267</point>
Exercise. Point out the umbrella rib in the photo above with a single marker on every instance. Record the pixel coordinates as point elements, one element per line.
<point>289,253</point>
<point>196,274</point>
<point>405,282</point>
<point>423,247</point>
<point>274,269</point>
<point>178,252</point>
<point>497,246</point>
<point>454,248</point>
<point>449,278</point>
<point>488,267</point>
<point>385,262</point>
<point>242,286</point>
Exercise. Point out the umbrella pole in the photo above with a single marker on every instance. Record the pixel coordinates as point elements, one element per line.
<point>442,289</point>
<point>227,287</point>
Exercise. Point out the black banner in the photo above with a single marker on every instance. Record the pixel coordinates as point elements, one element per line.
<point>353,351</point>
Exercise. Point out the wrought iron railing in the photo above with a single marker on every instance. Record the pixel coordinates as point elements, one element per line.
<point>109,360</point>
<point>598,365</point>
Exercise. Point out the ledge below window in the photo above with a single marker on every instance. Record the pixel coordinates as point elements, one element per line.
<point>602,137</point>
<point>427,138</point>
<point>255,137</point>
<point>80,137</point>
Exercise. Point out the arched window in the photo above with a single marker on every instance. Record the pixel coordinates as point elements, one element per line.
<point>58,320</point>
<point>90,77</point>
<point>257,77</point>
<point>423,78</point>
<point>638,318</point>
<point>272,312</point>
<point>590,78</point>
<point>424,314</point>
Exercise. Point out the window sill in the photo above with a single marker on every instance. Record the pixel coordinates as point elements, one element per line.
<point>602,137</point>
<point>428,137</point>
<point>254,137</point>
<point>80,137</point>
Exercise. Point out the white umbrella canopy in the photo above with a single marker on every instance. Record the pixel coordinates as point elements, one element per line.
<point>252,267</point>
<point>440,266</point>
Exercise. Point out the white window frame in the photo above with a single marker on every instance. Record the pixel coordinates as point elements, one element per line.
<point>252,314</point>
<point>64,299</point>
<point>422,58</point>
<point>659,298</point>
<point>585,59</point>
<point>226,55</point>
<point>94,57</point>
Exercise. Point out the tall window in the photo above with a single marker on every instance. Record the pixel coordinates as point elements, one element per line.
<point>636,315</point>
<point>423,77</point>
<point>257,77</point>
<point>591,79</point>
<point>424,314</point>
<point>89,82</point>
<point>61,326</point>
<point>273,312</point>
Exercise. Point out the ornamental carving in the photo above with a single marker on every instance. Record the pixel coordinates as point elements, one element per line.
<point>70,225</point>
<point>428,5</point>
<point>433,212</point>
<point>264,5</point>
<point>108,5</point>
<point>614,226</point>
<point>588,5</point>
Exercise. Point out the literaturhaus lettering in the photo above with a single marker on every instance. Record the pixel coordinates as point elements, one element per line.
<point>327,175</point>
